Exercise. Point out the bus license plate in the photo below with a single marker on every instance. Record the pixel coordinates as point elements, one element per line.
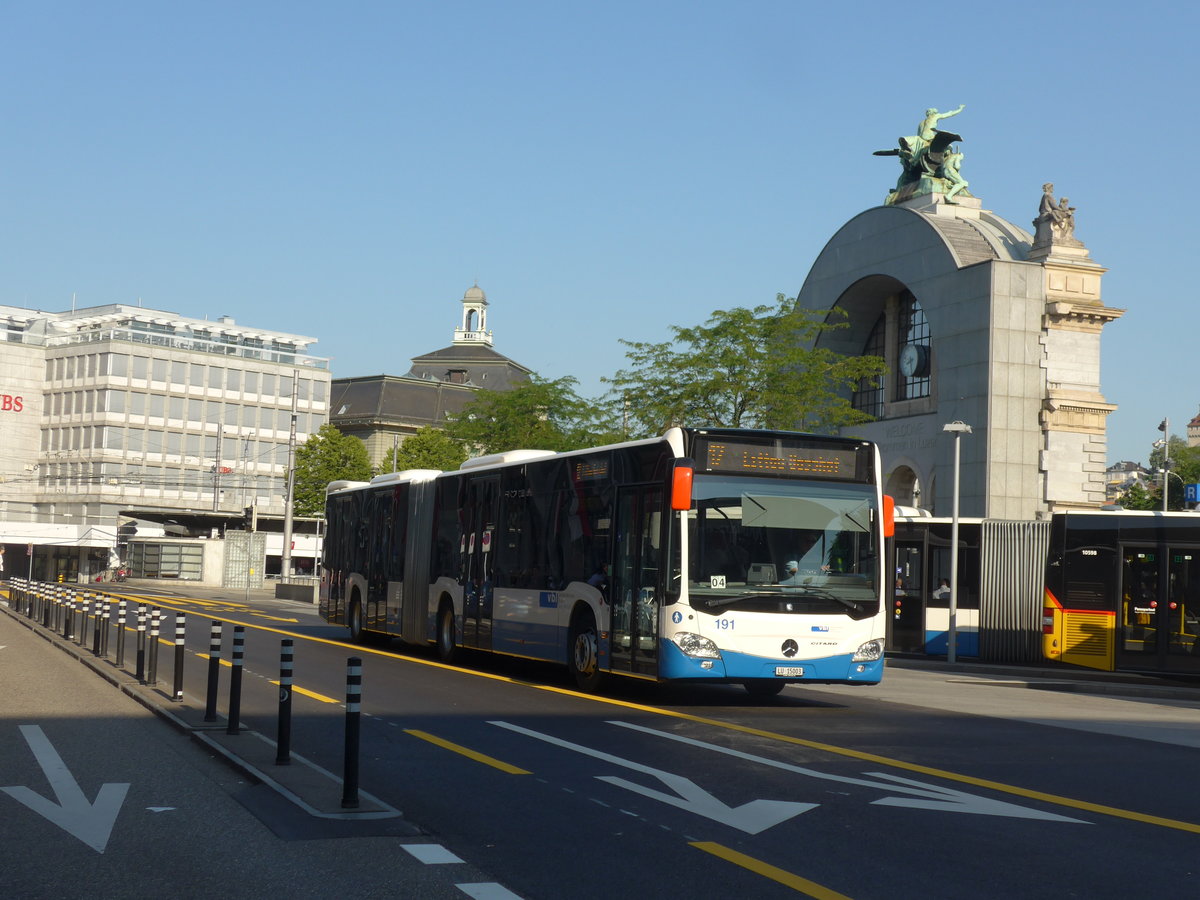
<point>789,671</point>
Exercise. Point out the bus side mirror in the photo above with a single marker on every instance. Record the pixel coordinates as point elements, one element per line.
<point>681,485</point>
<point>889,516</point>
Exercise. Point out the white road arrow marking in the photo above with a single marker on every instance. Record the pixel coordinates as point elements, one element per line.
<point>930,796</point>
<point>92,823</point>
<point>752,818</point>
<point>957,801</point>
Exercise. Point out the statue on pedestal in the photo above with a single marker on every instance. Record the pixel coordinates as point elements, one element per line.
<point>926,166</point>
<point>1055,223</point>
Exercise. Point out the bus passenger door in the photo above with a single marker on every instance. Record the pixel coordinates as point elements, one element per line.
<point>479,518</point>
<point>906,596</point>
<point>1137,642</point>
<point>1160,609</point>
<point>635,579</point>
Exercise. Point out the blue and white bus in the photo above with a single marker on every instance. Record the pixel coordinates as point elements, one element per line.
<point>725,555</point>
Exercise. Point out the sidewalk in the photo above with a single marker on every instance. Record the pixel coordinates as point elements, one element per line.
<point>168,817</point>
<point>314,790</point>
<point>1069,679</point>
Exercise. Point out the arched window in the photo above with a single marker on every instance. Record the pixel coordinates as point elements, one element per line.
<point>912,350</point>
<point>868,393</point>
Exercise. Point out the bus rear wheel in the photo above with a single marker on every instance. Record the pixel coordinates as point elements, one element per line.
<point>354,621</point>
<point>583,652</point>
<point>445,634</point>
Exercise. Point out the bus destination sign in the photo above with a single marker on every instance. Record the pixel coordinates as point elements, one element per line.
<point>780,458</point>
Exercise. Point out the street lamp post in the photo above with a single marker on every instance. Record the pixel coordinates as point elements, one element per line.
<point>1165,427</point>
<point>958,429</point>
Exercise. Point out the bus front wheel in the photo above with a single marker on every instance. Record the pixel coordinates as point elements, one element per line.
<point>583,652</point>
<point>445,633</point>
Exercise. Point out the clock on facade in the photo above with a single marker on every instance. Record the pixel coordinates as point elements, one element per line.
<point>914,361</point>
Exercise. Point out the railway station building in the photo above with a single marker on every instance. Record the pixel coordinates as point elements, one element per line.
<point>981,322</point>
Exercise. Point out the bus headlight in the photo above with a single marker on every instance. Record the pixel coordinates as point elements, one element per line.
<point>696,645</point>
<point>868,652</point>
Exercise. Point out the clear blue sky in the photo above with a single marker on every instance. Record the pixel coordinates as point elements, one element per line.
<point>604,170</point>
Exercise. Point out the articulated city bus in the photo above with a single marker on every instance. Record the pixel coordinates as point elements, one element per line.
<point>751,557</point>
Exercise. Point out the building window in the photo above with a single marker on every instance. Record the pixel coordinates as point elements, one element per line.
<point>868,394</point>
<point>912,350</point>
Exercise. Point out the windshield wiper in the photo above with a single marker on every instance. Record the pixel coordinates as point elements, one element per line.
<point>714,602</point>
<point>822,594</point>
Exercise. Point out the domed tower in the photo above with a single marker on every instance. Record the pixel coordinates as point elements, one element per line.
<point>474,319</point>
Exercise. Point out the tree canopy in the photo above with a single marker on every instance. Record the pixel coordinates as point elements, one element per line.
<point>539,414</point>
<point>743,368</point>
<point>1184,468</point>
<point>327,456</point>
<point>429,448</point>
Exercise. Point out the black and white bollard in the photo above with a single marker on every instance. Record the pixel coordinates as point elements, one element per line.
<point>152,677</point>
<point>353,714</point>
<point>140,674</point>
<point>84,618</point>
<point>69,619</point>
<point>214,672</point>
<point>235,680</point>
<point>107,618</point>
<point>180,636</point>
<point>283,735</point>
<point>121,634</point>
<point>96,622</point>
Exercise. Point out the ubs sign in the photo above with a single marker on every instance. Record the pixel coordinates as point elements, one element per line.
<point>9,403</point>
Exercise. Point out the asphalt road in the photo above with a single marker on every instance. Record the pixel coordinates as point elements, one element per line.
<point>934,784</point>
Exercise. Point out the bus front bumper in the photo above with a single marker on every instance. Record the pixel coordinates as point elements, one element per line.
<point>738,667</point>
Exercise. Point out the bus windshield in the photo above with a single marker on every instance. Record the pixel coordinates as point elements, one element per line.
<point>785,546</point>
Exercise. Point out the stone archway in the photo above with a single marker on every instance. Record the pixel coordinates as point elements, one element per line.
<point>903,486</point>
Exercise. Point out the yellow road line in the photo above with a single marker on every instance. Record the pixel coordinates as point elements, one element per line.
<point>470,754</point>
<point>296,689</point>
<point>223,662</point>
<point>758,867</point>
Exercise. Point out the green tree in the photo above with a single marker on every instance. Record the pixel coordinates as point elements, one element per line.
<point>743,368</point>
<point>1183,463</point>
<point>1137,497</point>
<point>538,414</point>
<point>327,456</point>
<point>429,448</point>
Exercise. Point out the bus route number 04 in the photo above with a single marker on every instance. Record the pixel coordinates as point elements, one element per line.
<point>716,581</point>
